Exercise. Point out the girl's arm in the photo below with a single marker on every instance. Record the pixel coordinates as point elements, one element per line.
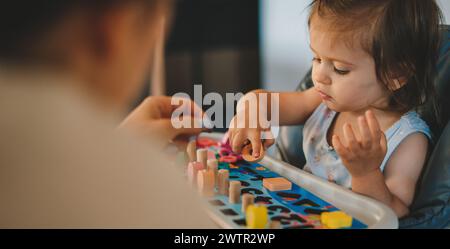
<point>397,186</point>
<point>294,108</point>
<point>363,159</point>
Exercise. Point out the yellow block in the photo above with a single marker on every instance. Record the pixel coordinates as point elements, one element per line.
<point>256,216</point>
<point>336,219</point>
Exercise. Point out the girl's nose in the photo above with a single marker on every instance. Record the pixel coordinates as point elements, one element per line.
<point>320,75</point>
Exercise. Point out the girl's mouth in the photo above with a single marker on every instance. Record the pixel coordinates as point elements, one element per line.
<point>323,95</point>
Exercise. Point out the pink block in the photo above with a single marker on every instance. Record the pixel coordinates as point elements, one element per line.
<point>211,154</point>
<point>228,159</point>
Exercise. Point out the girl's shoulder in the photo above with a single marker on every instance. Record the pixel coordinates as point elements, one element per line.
<point>411,122</point>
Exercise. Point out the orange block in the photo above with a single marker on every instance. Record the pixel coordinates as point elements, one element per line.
<point>277,184</point>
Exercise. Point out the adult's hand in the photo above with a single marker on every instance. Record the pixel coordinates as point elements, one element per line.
<point>152,119</point>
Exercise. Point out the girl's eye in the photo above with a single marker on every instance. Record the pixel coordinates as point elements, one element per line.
<point>341,72</point>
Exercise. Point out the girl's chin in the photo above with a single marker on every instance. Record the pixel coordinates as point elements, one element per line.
<point>332,105</point>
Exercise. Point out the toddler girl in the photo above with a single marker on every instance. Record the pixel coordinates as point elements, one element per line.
<point>374,64</point>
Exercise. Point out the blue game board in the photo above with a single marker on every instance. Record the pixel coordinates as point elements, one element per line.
<point>296,208</point>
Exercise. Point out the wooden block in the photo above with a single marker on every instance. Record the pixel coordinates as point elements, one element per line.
<point>247,200</point>
<point>213,165</point>
<point>256,216</point>
<point>205,182</point>
<point>192,171</point>
<point>247,154</point>
<point>202,156</point>
<point>274,224</point>
<point>191,150</point>
<point>223,176</point>
<point>277,184</point>
<point>234,192</point>
<point>336,219</point>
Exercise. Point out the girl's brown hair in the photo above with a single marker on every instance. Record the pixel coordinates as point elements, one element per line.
<point>402,36</point>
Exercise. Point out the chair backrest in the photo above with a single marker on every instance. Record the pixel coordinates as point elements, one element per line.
<point>431,207</point>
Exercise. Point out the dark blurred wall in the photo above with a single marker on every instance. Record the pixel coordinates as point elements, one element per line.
<point>214,43</point>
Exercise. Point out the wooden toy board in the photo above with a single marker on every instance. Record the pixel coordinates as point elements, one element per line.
<point>296,208</point>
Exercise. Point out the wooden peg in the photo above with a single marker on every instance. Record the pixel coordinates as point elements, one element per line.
<point>247,152</point>
<point>213,165</point>
<point>274,224</point>
<point>202,156</point>
<point>247,199</point>
<point>223,176</point>
<point>192,171</point>
<point>191,150</point>
<point>205,182</point>
<point>234,193</point>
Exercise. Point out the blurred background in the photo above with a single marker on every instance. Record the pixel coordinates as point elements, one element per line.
<point>236,46</point>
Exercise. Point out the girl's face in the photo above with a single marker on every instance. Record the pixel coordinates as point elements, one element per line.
<point>344,77</point>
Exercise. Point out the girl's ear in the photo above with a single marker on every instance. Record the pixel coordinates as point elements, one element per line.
<point>397,83</point>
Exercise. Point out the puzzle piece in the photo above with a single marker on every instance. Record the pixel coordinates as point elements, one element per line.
<point>256,216</point>
<point>277,184</point>
<point>336,219</point>
<point>205,142</point>
<point>228,159</point>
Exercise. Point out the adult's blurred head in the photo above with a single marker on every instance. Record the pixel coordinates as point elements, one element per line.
<point>106,45</point>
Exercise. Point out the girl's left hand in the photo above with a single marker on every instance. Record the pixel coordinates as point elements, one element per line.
<point>364,156</point>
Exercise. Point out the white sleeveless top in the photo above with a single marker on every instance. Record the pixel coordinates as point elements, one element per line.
<point>323,161</point>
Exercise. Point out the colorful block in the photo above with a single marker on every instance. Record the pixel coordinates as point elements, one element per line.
<point>211,155</point>
<point>336,219</point>
<point>277,184</point>
<point>256,216</point>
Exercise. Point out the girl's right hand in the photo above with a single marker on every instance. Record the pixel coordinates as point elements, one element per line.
<point>243,132</point>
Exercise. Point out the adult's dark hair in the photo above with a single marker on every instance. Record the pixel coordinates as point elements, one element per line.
<point>24,22</point>
<point>401,35</point>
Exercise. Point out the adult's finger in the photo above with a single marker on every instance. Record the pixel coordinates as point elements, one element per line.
<point>165,126</point>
